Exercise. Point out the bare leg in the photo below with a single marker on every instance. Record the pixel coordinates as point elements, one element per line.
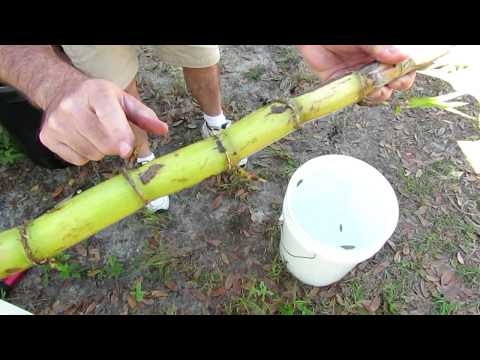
<point>204,84</point>
<point>141,136</point>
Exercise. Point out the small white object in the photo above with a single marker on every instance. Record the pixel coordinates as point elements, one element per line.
<point>338,211</point>
<point>208,130</point>
<point>9,309</point>
<point>162,203</point>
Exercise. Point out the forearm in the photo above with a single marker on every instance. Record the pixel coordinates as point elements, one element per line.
<point>37,71</point>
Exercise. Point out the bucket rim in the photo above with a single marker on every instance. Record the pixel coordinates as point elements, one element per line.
<point>340,255</point>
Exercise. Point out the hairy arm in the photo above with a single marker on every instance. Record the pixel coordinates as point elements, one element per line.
<point>37,71</point>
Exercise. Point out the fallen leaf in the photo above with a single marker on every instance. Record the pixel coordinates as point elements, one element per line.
<point>90,308</point>
<point>171,285</point>
<point>197,294</point>
<point>423,289</point>
<point>159,294</point>
<point>446,277</point>
<point>460,259</point>
<point>57,191</point>
<point>148,301</point>
<point>405,250</point>
<point>380,268</point>
<point>35,188</point>
<point>94,255</point>
<point>225,258</point>
<point>177,123</point>
<point>339,299</point>
<point>398,257</point>
<point>131,302</point>
<point>217,202</point>
<point>229,281</point>
<point>372,306</point>
<point>392,245</point>
<point>313,292</point>
<point>93,273</point>
<point>214,242</point>
<point>431,278</point>
<point>218,292</point>
<point>81,250</point>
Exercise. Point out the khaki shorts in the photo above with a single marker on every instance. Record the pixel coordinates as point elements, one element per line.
<point>119,63</point>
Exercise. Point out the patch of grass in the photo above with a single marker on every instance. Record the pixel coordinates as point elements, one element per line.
<point>354,296</point>
<point>3,294</point>
<point>113,268</point>
<point>432,181</point>
<point>469,273</point>
<point>443,306</point>
<point>255,73</point>
<point>287,58</point>
<point>277,268</point>
<point>10,151</point>
<point>67,270</point>
<point>257,300</point>
<point>231,183</point>
<point>208,280</point>
<point>391,296</point>
<point>290,163</point>
<point>156,220</point>
<point>138,292</point>
<point>297,307</point>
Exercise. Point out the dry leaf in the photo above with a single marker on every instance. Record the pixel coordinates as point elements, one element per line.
<point>159,294</point>
<point>392,244</point>
<point>131,302</point>
<point>229,281</point>
<point>372,306</point>
<point>197,294</point>
<point>217,202</point>
<point>218,292</point>
<point>398,257</point>
<point>225,258</point>
<point>380,268</point>
<point>339,299</point>
<point>446,278</point>
<point>81,250</point>
<point>406,250</point>
<point>214,242</point>
<point>460,259</point>
<point>423,289</point>
<point>57,191</point>
<point>148,301</point>
<point>313,292</point>
<point>171,285</point>
<point>431,278</point>
<point>94,255</point>
<point>90,308</point>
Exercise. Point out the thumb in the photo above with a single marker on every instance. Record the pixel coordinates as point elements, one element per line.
<point>143,116</point>
<point>387,54</point>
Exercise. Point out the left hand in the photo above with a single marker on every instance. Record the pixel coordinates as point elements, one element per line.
<point>332,61</point>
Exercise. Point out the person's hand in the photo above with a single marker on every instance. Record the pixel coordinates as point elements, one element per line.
<point>332,61</point>
<point>90,119</point>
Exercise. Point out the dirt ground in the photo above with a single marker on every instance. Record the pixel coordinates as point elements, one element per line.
<point>216,250</point>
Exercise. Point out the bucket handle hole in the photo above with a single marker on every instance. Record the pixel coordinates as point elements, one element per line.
<point>348,247</point>
<point>299,182</point>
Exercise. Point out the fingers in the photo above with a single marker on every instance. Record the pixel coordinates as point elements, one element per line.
<point>62,150</point>
<point>379,95</point>
<point>120,138</point>
<point>387,54</point>
<point>143,116</point>
<point>404,83</point>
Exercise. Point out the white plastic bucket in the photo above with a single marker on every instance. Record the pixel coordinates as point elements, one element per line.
<point>9,309</point>
<point>338,211</point>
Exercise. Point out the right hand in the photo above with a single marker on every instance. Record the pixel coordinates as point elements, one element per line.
<point>91,118</point>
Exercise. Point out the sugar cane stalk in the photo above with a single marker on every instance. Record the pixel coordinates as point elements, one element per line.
<point>112,200</point>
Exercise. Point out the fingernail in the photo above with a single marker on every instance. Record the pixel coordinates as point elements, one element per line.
<point>394,51</point>
<point>124,149</point>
